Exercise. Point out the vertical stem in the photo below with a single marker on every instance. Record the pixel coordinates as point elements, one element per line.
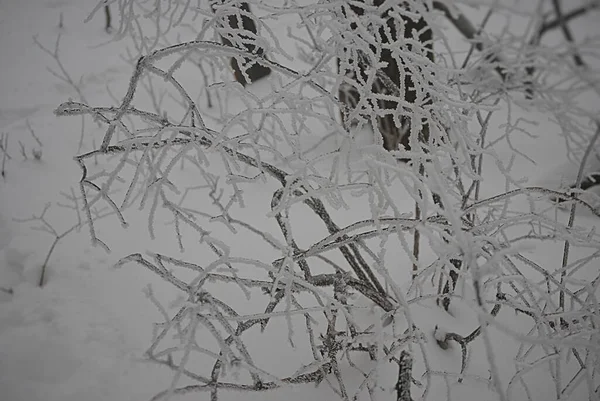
<point>108,25</point>
<point>404,377</point>
<point>417,237</point>
<point>4,147</point>
<point>566,31</point>
<point>416,242</point>
<point>565,259</point>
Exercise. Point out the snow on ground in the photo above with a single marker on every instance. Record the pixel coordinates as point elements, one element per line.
<point>82,336</point>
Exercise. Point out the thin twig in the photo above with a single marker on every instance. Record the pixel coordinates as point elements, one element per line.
<point>4,148</point>
<point>567,32</point>
<point>32,132</point>
<point>565,258</point>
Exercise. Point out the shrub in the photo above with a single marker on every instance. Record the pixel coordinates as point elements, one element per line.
<point>339,246</point>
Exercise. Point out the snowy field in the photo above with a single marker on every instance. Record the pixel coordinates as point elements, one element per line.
<point>82,335</point>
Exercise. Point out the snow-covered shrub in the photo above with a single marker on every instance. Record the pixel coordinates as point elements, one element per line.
<point>301,236</point>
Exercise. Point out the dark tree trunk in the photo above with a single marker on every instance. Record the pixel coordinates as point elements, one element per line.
<point>244,22</point>
<point>392,133</point>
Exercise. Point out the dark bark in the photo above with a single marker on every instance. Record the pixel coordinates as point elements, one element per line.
<point>247,41</point>
<point>450,285</point>
<point>108,26</point>
<point>394,28</point>
<point>589,181</point>
<point>404,377</point>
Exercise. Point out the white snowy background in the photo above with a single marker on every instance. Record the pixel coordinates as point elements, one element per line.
<point>82,336</point>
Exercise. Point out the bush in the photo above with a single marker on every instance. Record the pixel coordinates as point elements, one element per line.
<point>360,258</point>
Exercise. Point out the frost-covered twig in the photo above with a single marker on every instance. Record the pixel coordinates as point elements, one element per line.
<point>565,258</point>
<point>404,377</point>
<point>5,155</point>
<point>561,21</point>
<point>64,76</point>
<point>47,227</point>
<point>297,236</point>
